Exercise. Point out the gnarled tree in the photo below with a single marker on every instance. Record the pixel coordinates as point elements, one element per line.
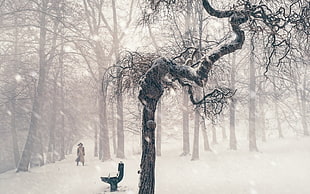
<point>258,17</point>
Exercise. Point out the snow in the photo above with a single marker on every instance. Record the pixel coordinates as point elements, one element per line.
<point>281,167</point>
<point>18,78</point>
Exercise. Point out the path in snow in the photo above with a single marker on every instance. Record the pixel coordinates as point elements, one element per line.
<point>282,167</point>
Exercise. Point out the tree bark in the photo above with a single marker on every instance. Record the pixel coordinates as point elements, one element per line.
<point>147,173</point>
<point>158,128</point>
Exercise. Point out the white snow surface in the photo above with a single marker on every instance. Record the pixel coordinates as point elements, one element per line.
<point>281,167</point>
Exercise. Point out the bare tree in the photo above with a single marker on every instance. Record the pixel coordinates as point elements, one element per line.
<point>152,82</point>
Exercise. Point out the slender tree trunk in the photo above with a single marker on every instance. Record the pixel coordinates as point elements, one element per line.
<point>262,118</point>
<point>96,141</point>
<point>113,130</point>
<point>62,100</point>
<point>276,107</point>
<point>304,104</point>
<point>36,112</point>
<point>104,145</point>
<point>119,94</point>
<point>52,125</point>
<point>13,132</point>
<point>214,137</point>
<point>232,107</point>
<point>12,107</point>
<point>252,105</point>
<point>224,135</point>
<point>120,127</point>
<point>158,130</point>
<point>195,155</point>
<point>185,111</point>
<point>279,127</point>
<point>206,144</point>
<point>186,145</point>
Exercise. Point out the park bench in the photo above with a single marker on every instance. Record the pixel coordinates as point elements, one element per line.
<point>113,181</point>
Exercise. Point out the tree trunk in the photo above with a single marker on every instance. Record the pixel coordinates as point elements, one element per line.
<point>62,100</point>
<point>279,127</point>
<point>224,135</point>
<point>252,105</point>
<point>158,130</point>
<point>147,172</point>
<point>32,137</point>
<point>13,131</point>
<point>104,143</point>
<point>206,144</point>
<point>232,107</point>
<point>262,124</point>
<point>195,155</point>
<point>185,111</point>
<point>96,150</point>
<point>113,129</point>
<point>276,107</point>
<point>119,94</point>
<point>186,147</point>
<point>12,107</point>
<point>214,137</point>
<point>52,125</point>
<point>304,104</point>
<point>120,123</point>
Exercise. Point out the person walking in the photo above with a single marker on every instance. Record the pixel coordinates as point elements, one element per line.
<point>80,154</point>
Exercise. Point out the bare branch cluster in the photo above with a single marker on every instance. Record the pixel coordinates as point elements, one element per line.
<point>132,66</point>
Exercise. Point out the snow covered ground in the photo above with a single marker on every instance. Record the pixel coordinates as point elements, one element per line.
<point>281,167</point>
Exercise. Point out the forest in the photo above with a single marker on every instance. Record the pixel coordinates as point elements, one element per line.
<point>132,76</point>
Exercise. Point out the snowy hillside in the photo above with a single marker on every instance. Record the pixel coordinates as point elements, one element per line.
<point>281,167</point>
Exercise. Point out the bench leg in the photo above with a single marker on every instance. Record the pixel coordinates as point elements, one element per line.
<point>113,186</point>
